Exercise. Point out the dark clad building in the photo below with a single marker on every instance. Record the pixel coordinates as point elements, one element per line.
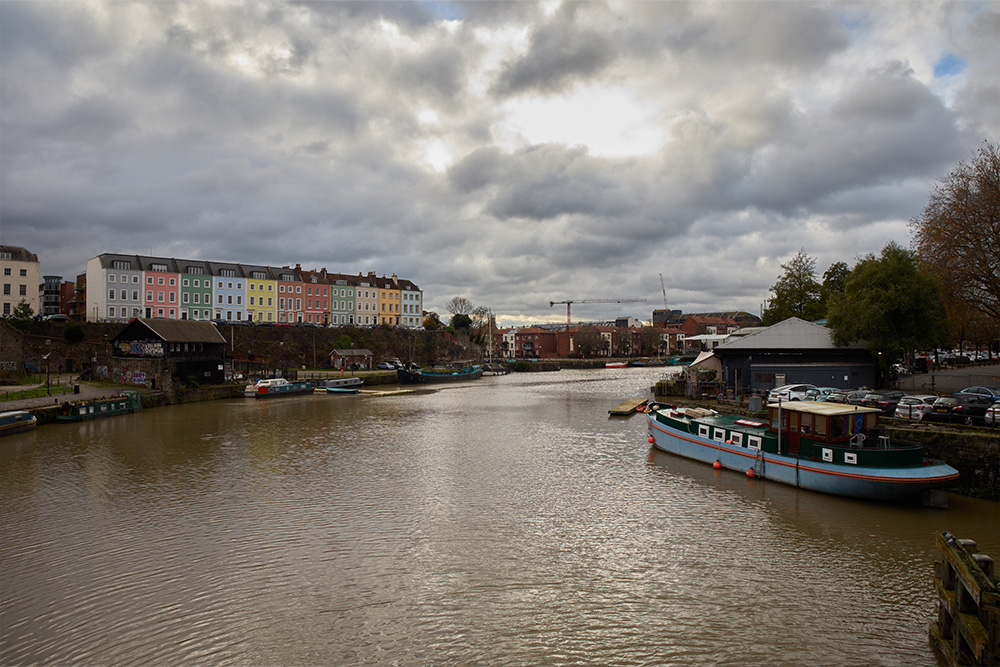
<point>172,350</point>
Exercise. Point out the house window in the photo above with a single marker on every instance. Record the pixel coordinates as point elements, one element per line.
<point>159,281</point>
<point>135,295</point>
<point>118,264</point>
<point>111,277</point>
<point>149,296</point>
<point>149,280</point>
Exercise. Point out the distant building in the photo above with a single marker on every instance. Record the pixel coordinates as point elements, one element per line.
<point>160,353</point>
<point>51,295</point>
<point>19,273</point>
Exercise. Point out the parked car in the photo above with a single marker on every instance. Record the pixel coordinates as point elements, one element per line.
<point>965,408</point>
<point>789,392</point>
<point>914,407</point>
<point>819,393</point>
<point>992,416</point>
<point>839,396</point>
<point>884,400</point>
<point>857,396</point>
<point>989,392</point>
<point>386,366</point>
<point>58,317</point>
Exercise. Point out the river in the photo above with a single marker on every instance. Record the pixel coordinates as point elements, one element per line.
<point>507,521</point>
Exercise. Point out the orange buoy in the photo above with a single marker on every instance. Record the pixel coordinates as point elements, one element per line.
<point>652,439</point>
<point>717,465</point>
<point>750,472</point>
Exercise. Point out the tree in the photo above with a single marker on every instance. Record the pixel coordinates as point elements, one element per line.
<point>957,236</point>
<point>20,317</point>
<point>588,341</point>
<point>73,333</point>
<point>890,304</point>
<point>833,282</point>
<point>796,294</point>
<point>460,321</point>
<point>459,305</point>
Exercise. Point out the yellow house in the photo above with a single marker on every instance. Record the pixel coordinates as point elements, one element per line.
<point>261,289</point>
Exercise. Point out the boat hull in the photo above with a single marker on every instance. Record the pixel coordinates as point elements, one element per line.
<point>290,389</point>
<point>100,408</point>
<point>868,483</point>
<point>17,421</point>
<point>406,376</point>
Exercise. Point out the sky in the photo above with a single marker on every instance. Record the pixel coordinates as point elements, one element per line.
<point>513,153</point>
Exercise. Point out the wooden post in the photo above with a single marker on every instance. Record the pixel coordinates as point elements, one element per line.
<point>967,629</point>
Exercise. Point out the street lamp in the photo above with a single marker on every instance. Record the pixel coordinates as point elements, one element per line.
<point>48,386</point>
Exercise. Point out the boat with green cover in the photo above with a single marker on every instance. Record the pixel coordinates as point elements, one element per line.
<point>827,447</point>
<point>96,408</point>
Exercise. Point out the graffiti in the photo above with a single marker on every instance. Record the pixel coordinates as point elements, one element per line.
<point>139,348</point>
<point>10,365</point>
<point>138,377</point>
<point>122,375</point>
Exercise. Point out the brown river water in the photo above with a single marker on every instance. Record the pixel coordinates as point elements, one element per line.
<point>507,521</point>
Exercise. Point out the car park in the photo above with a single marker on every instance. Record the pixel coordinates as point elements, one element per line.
<point>884,400</point>
<point>914,407</point>
<point>992,416</point>
<point>789,392</point>
<point>964,408</point>
<point>857,396</point>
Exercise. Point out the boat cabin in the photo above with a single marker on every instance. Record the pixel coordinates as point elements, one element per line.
<point>833,423</point>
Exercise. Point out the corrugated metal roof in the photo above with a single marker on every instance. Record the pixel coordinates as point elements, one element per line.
<point>184,331</point>
<point>792,333</point>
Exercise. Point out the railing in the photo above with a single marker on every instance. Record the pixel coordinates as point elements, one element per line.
<point>967,629</point>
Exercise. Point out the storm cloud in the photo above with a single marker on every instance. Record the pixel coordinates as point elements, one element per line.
<point>510,153</point>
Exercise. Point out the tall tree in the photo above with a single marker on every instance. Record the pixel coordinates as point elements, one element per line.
<point>459,305</point>
<point>796,294</point>
<point>957,236</point>
<point>889,303</point>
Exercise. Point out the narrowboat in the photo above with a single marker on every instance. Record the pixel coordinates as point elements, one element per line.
<point>276,387</point>
<point>97,408</point>
<point>16,421</point>
<point>342,385</point>
<point>454,372</point>
<point>827,447</point>
<point>493,368</point>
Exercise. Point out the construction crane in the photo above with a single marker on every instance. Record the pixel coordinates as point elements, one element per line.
<point>664,288</point>
<point>572,301</point>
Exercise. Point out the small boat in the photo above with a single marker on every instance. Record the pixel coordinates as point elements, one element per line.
<point>276,387</point>
<point>96,408</point>
<point>16,421</point>
<point>649,362</point>
<point>616,364</point>
<point>493,368</point>
<point>342,385</point>
<point>827,447</point>
<point>455,372</point>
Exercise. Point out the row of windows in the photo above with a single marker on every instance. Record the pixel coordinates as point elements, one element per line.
<point>23,272</point>
<point>22,290</point>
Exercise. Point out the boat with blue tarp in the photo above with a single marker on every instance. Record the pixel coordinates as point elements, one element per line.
<point>271,387</point>
<point>827,447</point>
<point>456,371</point>
<point>346,385</point>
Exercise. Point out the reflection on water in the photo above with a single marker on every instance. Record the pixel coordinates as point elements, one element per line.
<point>507,521</point>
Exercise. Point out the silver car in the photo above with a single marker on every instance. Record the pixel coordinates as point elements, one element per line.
<point>992,417</point>
<point>914,407</point>
<point>790,392</point>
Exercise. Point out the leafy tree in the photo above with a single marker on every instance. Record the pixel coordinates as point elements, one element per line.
<point>650,340</point>
<point>588,341</point>
<point>890,304</point>
<point>796,294</point>
<point>833,282</point>
<point>460,321</point>
<point>20,316</point>
<point>431,321</point>
<point>73,333</point>
<point>957,236</point>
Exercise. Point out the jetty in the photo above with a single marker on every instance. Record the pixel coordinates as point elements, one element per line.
<point>627,408</point>
<point>967,629</point>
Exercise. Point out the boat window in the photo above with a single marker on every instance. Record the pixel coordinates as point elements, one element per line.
<point>753,442</point>
<point>720,435</point>
<point>807,423</point>
<point>828,455</point>
<point>737,438</point>
<point>703,430</point>
<point>870,420</point>
<point>820,424</point>
<point>851,457</point>
<point>793,421</point>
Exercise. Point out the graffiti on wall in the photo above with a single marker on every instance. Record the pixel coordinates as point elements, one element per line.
<point>139,348</point>
<point>124,375</point>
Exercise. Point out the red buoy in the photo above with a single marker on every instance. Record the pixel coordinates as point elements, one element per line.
<point>717,465</point>
<point>750,472</point>
<point>651,440</point>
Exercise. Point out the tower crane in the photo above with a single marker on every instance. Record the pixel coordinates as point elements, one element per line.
<point>572,301</point>
<point>664,288</point>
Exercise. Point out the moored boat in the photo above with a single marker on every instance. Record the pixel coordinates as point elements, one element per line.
<point>16,421</point>
<point>649,362</point>
<point>96,408</point>
<point>826,447</point>
<point>493,368</point>
<point>276,387</point>
<point>349,385</point>
<point>455,372</point>
<point>616,364</point>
